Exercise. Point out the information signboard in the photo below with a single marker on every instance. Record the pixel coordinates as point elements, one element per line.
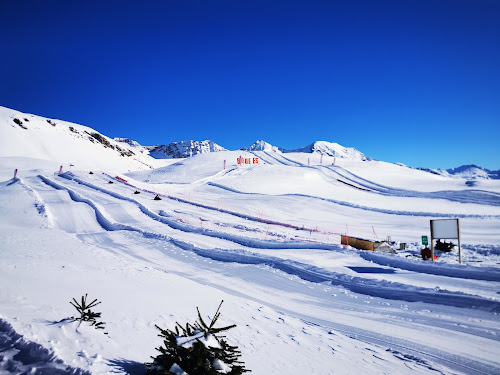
<point>446,229</point>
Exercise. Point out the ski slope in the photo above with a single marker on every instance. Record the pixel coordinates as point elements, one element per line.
<point>265,238</point>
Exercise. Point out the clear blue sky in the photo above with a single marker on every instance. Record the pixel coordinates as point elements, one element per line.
<point>411,81</point>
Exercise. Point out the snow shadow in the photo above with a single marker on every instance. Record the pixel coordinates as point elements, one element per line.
<point>372,270</point>
<point>130,367</point>
<point>20,356</point>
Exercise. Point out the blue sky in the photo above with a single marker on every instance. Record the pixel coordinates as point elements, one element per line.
<point>416,82</point>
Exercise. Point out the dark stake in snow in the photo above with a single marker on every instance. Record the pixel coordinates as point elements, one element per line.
<point>196,349</point>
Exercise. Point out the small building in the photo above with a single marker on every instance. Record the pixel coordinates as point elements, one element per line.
<point>362,244</point>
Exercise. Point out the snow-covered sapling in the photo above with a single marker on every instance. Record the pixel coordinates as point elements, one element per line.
<point>87,315</point>
<point>196,349</point>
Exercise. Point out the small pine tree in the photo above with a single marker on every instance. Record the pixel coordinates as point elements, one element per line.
<point>87,315</point>
<point>196,349</point>
<point>157,198</point>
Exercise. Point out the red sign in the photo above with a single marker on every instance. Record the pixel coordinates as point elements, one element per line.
<point>241,160</point>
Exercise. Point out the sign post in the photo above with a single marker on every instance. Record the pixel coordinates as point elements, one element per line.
<point>445,229</point>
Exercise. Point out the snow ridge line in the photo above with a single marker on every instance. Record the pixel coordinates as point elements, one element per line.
<point>376,288</point>
<point>365,208</point>
<point>474,196</point>
<point>244,241</point>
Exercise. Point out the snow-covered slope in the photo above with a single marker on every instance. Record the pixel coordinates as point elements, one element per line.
<point>265,239</point>
<point>65,143</point>
<point>184,149</point>
<point>332,149</point>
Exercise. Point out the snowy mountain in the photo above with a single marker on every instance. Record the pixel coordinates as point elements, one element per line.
<point>332,149</point>
<point>65,143</point>
<point>472,172</point>
<point>469,172</point>
<point>262,146</point>
<point>184,149</point>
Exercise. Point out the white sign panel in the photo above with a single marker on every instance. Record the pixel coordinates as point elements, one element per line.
<point>444,228</point>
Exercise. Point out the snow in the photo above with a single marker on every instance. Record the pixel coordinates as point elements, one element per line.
<point>332,149</point>
<point>184,149</point>
<point>261,145</point>
<point>263,237</point>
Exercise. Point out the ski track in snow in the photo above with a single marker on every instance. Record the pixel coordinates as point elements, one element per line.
<point>161,217</point>
<point>382,289</point>
<point>338,173</point>
<point>461,196</point>
<point>365,208</point>
<point>374,288</point>
<point>393,291</point>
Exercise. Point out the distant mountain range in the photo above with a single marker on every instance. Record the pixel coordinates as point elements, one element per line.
<point>470,172</point>
<point>183,149</point>
<point>190,148</point>
<point>34,136</point>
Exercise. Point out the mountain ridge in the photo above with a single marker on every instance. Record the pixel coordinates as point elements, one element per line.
<point>134,155</point>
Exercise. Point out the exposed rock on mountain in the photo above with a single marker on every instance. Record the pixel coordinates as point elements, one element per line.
<point>184,149</point>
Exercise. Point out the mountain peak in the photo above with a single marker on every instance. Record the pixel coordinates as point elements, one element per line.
<point>332,149</point>
<point>261,145</point>
<point>184,149</point>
